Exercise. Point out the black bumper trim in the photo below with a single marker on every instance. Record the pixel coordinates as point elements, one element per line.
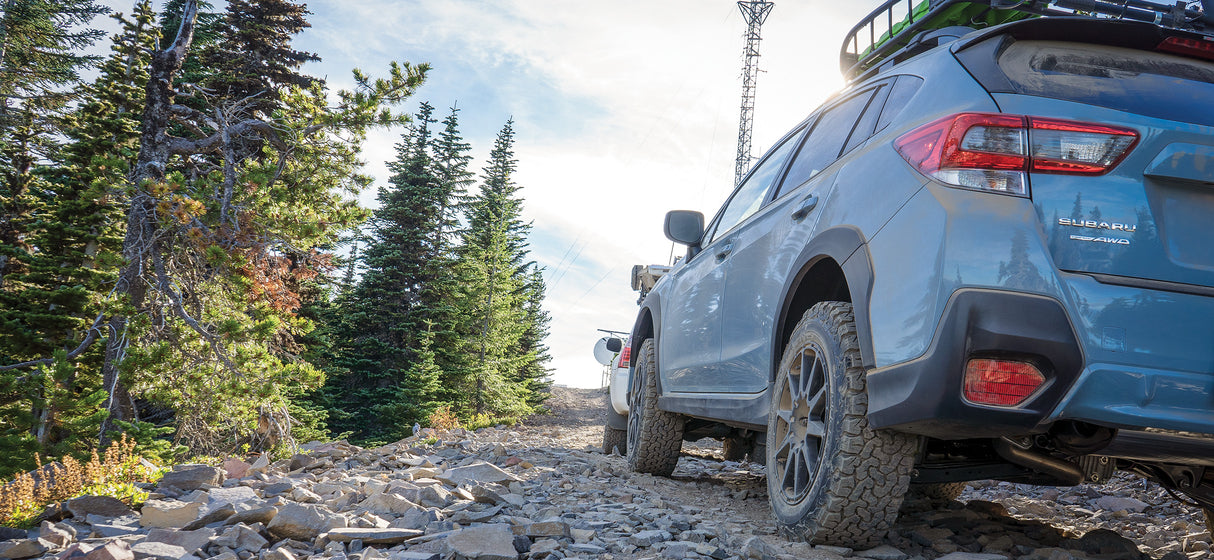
<point>923,396</point>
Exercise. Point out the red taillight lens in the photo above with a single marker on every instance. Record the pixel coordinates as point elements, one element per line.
<point>994,151</point>
<point>1001,382</point>
<point>625,357</point>
<point>1188,47</point>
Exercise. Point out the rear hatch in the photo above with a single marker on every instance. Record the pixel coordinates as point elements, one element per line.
<point>1140,99</point>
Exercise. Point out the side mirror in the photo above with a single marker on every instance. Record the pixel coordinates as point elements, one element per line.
<point>685,227</point>
<point>615,344</point>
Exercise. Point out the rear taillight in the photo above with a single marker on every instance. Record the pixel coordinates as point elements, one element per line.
<point>994,152</point>
<point>625,357</point>
<point>1001,382</point>
<point>1196,48</point>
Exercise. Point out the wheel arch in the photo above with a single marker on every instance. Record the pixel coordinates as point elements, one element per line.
<point>646,326</point>
<point>834,266</point>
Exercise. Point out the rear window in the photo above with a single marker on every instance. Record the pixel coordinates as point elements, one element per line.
<point>1147,83</point>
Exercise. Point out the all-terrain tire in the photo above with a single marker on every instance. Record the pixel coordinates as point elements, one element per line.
<point>614,439</point>
<point>942,493</point>
<point>831,479</point>
<point>654,436</point>
<point>735,448</point>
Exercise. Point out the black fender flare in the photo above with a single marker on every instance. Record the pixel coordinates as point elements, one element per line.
<point>847,246</point>
<point>651,311</point>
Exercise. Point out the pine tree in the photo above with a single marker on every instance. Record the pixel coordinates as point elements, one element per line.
<point>498,349</point>
<point>384,321</point>
<point>40,44</point>
<point>255,61</point>
<point>49,279</point>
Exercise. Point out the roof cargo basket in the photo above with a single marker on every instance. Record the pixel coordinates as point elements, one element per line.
<point>899,29</point>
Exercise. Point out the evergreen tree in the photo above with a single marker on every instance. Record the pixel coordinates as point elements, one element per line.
<point>254,62</point>
<point>50,238</point>
<point>40,44</point>
<point>384,319</point>
<point>494,274</point>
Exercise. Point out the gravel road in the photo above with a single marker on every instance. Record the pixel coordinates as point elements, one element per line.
<point>1125,518</point>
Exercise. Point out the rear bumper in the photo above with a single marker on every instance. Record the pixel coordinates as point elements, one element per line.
<point>923,396</point>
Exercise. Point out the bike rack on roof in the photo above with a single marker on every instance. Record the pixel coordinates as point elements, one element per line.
<point>897,26</point>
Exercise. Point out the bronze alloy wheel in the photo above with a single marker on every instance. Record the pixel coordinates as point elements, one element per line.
<point>800,424</point>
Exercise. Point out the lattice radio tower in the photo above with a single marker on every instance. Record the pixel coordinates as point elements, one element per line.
<point>755,12</point>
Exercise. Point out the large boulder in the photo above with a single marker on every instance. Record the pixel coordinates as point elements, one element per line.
<point>189,540</point>
<point>192,477</point>
<point>304,522</point>
<point>25,548</point>
<point>167,514</point>
<point>485,542</point>
<point>105,506</point>
<point>476,472</point>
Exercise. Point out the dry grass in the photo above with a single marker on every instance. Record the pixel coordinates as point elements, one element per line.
<point>112,474</point>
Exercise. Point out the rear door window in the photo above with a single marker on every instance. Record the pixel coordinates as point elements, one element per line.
<point>821,148</point>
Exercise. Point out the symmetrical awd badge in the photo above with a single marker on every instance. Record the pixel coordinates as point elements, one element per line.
<point>1093,224</point>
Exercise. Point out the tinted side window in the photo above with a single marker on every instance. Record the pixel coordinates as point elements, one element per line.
<point>868,121</point>
<point>825,141</point>
<point>750,196</point>
<point>899,96</point>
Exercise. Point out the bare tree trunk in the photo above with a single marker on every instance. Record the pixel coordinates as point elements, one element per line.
<point>141,225</point>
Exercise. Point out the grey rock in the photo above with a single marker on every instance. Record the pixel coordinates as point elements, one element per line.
<point>756,548</point>
<point>278,554</point>
<point>1121,503</point>
<point>485,542</point>
<point>649,537</point>
<point>476,472</point>
<point>189,540</point>
<point>169,514</point>
<point>883,552</point>
<point>241,537</point>
<point>387,503</point>
<point>277,488</point>
<point>972,556</point>
<point>303,522</point>
<point>105,506</point>
<point>373,536</point>
<point>105,530</point>
<point>192,477</point>
<point>234,495</point>
<point>221,513</point>
<point>27,548</point>
<point>57,536</point>
<point>673,550</point>
<point>414,555</point>
<point>547,529</point>
<point>113,550</point>
<point>9,533</point>
<point>1104,541</point>
<point>158,551</point>
<point>262,515</point>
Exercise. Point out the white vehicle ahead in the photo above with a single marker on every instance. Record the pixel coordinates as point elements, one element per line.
<point>614,352</point>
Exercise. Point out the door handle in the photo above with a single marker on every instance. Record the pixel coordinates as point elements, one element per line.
<point>724,251</point>
<point>807,205</point>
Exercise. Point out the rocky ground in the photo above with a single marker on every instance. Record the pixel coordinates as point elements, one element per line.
<point>542,491</point>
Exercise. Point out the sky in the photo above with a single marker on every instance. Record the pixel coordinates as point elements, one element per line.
<point>623,110</point>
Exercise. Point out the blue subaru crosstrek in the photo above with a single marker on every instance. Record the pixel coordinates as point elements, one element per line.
<point>990,257</point>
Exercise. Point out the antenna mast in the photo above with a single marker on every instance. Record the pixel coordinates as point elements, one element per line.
<point>755,12</point>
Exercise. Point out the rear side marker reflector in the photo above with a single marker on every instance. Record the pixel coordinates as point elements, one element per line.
<point>1001,382</point>
<point>994,152</point>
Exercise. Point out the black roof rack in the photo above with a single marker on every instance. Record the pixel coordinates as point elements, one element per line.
<point>895,28</point>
